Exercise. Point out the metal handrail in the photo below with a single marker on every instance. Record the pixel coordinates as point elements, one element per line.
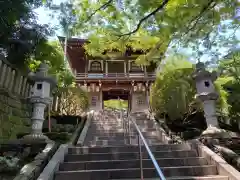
<point>141,137</point>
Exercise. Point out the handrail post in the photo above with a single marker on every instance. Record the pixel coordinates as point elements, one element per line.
<point>129,133</point>
<point>155,163</point>
<point>140,157</point>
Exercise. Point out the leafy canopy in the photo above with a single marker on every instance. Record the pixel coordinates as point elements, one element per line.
<point>152,24</point>
<point>20,33</point>
<point>174,90</point>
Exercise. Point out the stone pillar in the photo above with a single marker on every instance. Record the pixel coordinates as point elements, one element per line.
<point>138,98</point>
<point>96,99</point>
<point>206,93</point>
<point>40,98</point>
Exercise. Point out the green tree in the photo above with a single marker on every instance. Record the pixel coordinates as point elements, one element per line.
<point>150,25</point>
<point>74,100</point>
<point>51,53</point>
<point>20,33</point>
<point>174,90</point>
<point>229,68</point>
<point>230,65</point>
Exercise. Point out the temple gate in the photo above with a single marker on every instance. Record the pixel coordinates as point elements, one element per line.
<point>113,77</point>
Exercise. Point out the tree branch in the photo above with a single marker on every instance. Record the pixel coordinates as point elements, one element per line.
<point>198,17</point>
<point>104,6</point>
<point>146,17</point>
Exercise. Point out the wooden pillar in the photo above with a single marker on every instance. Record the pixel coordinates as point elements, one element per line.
<point>101,98</point>
<point>129,65</point>
<point>131,96</point>
<point>125,67</point>
<point>106,67</point>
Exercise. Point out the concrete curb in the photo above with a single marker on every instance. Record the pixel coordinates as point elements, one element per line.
<point>58,157</point>
<point>161,133</point>
<point>53,165</point>
<point>223,167</point>
<point>75,136</point>
<point>85,130</point>
<point>34,168</point>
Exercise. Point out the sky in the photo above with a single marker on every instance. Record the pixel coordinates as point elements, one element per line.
<point>45,18</point>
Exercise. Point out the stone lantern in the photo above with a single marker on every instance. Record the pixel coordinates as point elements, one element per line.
<point>206,92</point>
<point>40,98</point>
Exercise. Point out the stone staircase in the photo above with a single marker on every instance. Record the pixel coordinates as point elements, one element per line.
<point>109,153</point>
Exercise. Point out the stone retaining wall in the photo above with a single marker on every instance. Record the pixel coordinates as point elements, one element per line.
<point>14,109</point>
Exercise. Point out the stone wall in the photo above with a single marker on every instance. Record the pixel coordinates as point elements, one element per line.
<point>14,108</point>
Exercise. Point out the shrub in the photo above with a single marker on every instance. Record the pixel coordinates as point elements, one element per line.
<point>21,134</point>
<point>63,128</point>
<point>174,90</point>
<point>191,134</point>
<point>9,164</point>
<point>62,137</point>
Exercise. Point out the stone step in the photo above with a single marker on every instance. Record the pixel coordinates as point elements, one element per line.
<point>107,133</point>
<point>128,155</point>
<point>108,142</point>
<point>129,148</point>
<point>116,128</point>
<point>143,129</point>
<point>121,142</point>
<point>122,136</point>
<point>142,122</point>
<point>135,173</point>
<point>139,122</point>
<point>121,164</point>
<point>210,177</point>
<point>105,123</point>
<point>126,140</point>
<point>104,131</point>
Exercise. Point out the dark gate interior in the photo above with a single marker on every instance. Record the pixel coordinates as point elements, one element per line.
<point>115,94</point>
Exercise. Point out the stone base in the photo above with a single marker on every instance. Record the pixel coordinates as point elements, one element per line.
<point>35,139</point>
<point>215,132</point>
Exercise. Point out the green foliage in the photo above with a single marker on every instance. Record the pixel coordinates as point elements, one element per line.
<point>230,65</point>
<point>174,90</point>
<point>52,54</point>
<point>229,83</point>
<point>116,104</point>
<point>151,24</point>
<point>222,102</point>
<point>20,34</point>
<point>9,164</point>
<point>63,128</point>
<point>62,137</point>
<point>10,126</point>
<point>66,16</point>
<point>74,100</point>
<point>233,89</point>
